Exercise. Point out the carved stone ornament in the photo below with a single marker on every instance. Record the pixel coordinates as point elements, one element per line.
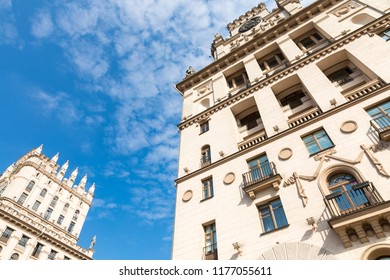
<point>346,8</point>
<point>187,196</point>
<point>349,126</point>
<point>229,178</point>
<point>285,153</point>
<point>190,71</point>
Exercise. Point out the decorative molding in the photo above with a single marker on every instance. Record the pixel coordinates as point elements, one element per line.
<point>285,153</point>
<point>346,9</point>
<point>187,195</point>
<point>229,178</point>
<point>301,191</point>
<point>349,126</point>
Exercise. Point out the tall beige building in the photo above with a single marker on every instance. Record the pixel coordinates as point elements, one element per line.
<point>285,150</point>
<point>42,212</point>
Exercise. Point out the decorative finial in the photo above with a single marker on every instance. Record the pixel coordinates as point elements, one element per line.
<point>93,242</point>
<point>83,182</point>
<point>55,157</point>
<point>39,149</point>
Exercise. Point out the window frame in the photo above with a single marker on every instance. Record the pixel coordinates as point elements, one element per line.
<point>263,62</point>
<point>38,203</point>
<point>269,205</point>
<point>22,198</point>
<point>23,240</point>
<point>207,188</point>
<point>37,250</point>
<point>30,186</point>
<point>204,127</point>
<point>311,36</point>
<point>6,234</point>
<point>232,79</point>
<point>210,239</point>
<point>316,141</point>
<point>52,255</point>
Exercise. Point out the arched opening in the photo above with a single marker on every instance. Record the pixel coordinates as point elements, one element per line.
<point>14,256</point>
<point>377,252</point>
<point>205,155</point>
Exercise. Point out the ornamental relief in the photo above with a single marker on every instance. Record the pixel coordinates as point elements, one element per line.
<point>204,89</point>
<point>329,155</point>
<point>346,9</point>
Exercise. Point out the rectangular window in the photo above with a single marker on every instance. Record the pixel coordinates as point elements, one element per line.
<point>23,241</point>
<point>317,141</point>
<point>272,216</point>
<point>6,234</point>
<point>310,40</point>
<point>48,214</point>
<point>37,250</point>
<point>210,249</point>
<point>3,186</point>
<point>259,168</point>
<point>52,255</point>
<point>71,226</point>
<point>237,80</point>
<point>271,61</point>
<point>207,188</point>
<point>60,219</point>
<point>385,34</point>
<point>381,114</point>
<point>204,127</point>
<point>36,205</point>
<point>22,198</point>
<point>293,100</point>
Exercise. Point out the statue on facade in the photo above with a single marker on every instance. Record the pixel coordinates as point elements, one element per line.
<point>93,242</point>
<point>190,71</point>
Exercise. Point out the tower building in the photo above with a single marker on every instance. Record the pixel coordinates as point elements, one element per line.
<point>285,137</point>
<point>41,211</point>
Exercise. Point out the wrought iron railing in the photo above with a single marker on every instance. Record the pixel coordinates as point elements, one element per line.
<point>210,252</point>
<point>257,174</point>
<point>205,160</point>
<point>359,197</point>
<point>381,123</point>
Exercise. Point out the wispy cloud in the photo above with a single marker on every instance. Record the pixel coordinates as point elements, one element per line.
<point>8,32</point>
<point>42,26</point>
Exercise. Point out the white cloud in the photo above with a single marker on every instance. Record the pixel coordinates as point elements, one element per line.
<point>43,25</point>
<point>8,32</point>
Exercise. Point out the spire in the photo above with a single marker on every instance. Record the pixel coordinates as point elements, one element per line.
<point>91,189</point>
<point>82,182</point>
<point>55,158</point>
<point>38,150</point>
<point>72,177</point>
<point>61,173</point>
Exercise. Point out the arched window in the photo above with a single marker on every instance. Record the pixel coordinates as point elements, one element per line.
<point>1,249</point>
<point>3,186</point>
<point>14,256</point>
<point>76,215</point>
<point>347,193</point>
<point>54,201</point>
<point>43,192</point>
<point>66,207</point>
<point>205,155</point>
<point>30,186</point>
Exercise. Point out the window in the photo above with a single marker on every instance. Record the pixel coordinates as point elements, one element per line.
<point>204,127</point>
<point>23,241</point>
<point>71,226</point>
<point>53,203</point>
<point>14,256</point>
<point>207,188</point>
<point>22,198</point>
<point>381,114</point>
<point>205,156</point>
<point>36,205</point>
<point>3,186</point>
<point>30,186</point>
<point>272,216</point>
<point>259,168</point>
<point>60,219</point>
<point>66,258</point>
<point>385,34</point>
<point>76,215</point>
<point>293,100</point>
<point>210,249</point>
<point>6,234</point>
<point>250,121</point>
<point>37,250</point>
<point>271,61</point>
<point>52,255</point>
<point>237,80</point>
<point>317,141</point>
<point>43,192</point>
<point>349,197</point>
<point>310,40</point>
<point>48,214</point>
<point>66,207</point>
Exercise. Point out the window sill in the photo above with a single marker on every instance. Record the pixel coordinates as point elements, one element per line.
<point>276,229</point>
<point>207,198</point>
<point>325,151</point>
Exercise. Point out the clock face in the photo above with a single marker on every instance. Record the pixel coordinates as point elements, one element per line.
<point>250,24</point>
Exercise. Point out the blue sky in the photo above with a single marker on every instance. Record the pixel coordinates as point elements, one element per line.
<point>93,80</point>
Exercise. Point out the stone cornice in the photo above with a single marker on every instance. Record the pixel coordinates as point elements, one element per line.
<point>288,70</point>
<point>52,177</point>
<point>33,223</point>
<point>257,42</point>
<point>283,134</point>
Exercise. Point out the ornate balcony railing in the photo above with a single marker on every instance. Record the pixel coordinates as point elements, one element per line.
<point>343,78</point>
<point>210,252</point>
<point>359,197</point>
<point>258,174</point>
<point>382,126</point>
<point>205,160</point>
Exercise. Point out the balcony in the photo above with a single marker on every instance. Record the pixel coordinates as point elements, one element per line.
<point>382,126</point>
<point>260,178</point>
<point>358,213</point>
<point>210,252</point>
<point>303,117</point>
<point>304,102</point>
<point>253,140</point>
<point>251,127</point>
<point>205,160</point>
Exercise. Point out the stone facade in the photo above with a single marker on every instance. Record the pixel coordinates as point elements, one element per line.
<point>42,212</point>
<point>285,150</point>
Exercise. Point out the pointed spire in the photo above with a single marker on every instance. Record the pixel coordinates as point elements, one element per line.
<point>61,173</point>
<point>91,190</point>
<point>72,177</point>
<point>55,158</point>
<point>83,182</point>
<point>39,149</point>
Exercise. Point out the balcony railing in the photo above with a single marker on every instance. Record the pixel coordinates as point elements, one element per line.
<point>265,171</point>
<point>205,160</point>
<point>343,78</point>
<point>210,252</point>
<point>359,197</point>
<point>382,126</point>
<point>305,99</point>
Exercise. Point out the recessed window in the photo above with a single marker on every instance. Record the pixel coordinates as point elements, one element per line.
<point>207,188</point>
<point>60,219</point>
<point>71,226</point>
<point>36,205</point>
<point>23,240</point>
<point>204,127</point>
<point>43,192</point>
<point>66,207</point>
<point>30,186</point>
<point>52,255</point>
<point>22,198</point>
<point>293,100</point>
<point>272,61</point>
<point>6,234</point>
<point>310,40</point>
<point>210,249</point>
<point>37,250</point>
<point>237,80</point>
<point>381,114</point>
<point>15,256</point>
<point>272,216</point>
<point>48,214</point>
<point>76,215</point>
<point>317,141</point>
<point>385,34</point>
<point>54,201</point>
<point>205,156</point>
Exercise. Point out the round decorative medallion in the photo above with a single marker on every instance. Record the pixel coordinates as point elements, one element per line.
<point>248,25</point>
<point>285,153</point>
<point>229,178</point>
<point>349,126</point>
<point>187,196</point>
